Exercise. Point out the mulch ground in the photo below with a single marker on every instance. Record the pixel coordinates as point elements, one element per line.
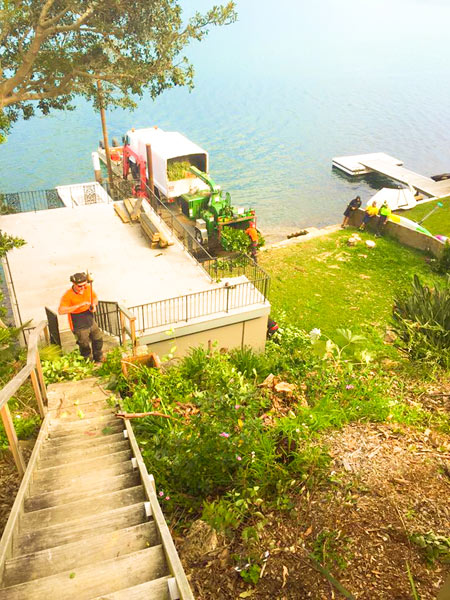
<point>388,482</point>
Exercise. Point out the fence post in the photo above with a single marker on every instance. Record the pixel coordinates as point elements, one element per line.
<point>228,295</point>
<point>187,318</point>
<point>12,438</point>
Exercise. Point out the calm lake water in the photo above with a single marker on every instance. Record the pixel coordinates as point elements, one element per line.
<point>277,95</point>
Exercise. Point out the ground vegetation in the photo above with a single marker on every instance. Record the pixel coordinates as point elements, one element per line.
<point>320,468</point>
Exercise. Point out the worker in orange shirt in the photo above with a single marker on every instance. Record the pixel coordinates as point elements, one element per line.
<point>79,303</point>
<point>253,235</point>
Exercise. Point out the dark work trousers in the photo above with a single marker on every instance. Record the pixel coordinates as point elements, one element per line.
<point>253,250</point>
<point>87,336</point>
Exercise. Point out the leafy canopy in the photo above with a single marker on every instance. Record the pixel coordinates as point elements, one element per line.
<point>53,50</point>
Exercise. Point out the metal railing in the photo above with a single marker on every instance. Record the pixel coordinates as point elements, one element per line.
<point>81,194</point>
<point>33,370</point>
<point>220,300</point>
<point>17,202</point>
<point>236,266</point>
<point>167,212</point>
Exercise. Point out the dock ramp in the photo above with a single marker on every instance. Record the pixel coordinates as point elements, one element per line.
<point>393,168</point>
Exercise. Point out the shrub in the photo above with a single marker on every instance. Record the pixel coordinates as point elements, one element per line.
<point>422,322</point>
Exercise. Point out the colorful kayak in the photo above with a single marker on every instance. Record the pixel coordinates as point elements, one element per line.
<point>409,224</point>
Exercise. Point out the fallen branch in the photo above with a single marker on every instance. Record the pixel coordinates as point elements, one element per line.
<point>154,413</point>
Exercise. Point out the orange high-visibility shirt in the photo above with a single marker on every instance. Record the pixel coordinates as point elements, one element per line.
<point>71,298</point>
<point>252,233</point>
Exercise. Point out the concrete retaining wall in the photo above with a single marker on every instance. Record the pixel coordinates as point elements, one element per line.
<point>230,331</point>
<point>405,236</point>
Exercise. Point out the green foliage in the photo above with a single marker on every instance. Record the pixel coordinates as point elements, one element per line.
<point>251,574</point>
<point>234,240</point>
<point>434,546</point>
<point>54,51</point>
<point>50,353</point>
<point>331,549</point>
<point>177,170</point>
<point>442,264</point>
<point>25,425</point>
<point>70,367</point>
<point>345,346</point>
<point>227,451</point>
<point>422,322</point>
<point>8,242</point>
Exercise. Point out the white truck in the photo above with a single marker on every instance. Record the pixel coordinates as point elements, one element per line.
<point>169,150</point>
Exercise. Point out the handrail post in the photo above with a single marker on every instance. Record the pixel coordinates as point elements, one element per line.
<point>37,393</point>
<point>13,440</point>
<point>133,335</point>
<point>122,326</point>
<point>40,375</point>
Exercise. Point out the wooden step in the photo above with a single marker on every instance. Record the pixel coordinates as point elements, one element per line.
<point>82,392</point>
<point>38,519</point>
<point>98,579</point>
<point>59,428</point>
<point>151,590</point>
<point>70,455</point>
<point>79,438</point>
<point>52,446</point>
<point>64,496</point>
<point>73,469</point>
<point>78,554</point>
<point>78,413</point>
<point>79,482</point>
<point>73,531</point>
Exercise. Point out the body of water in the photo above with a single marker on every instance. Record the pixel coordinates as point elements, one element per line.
<point>277,95</point>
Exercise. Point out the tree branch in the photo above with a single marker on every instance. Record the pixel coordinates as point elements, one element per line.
<point>77,24</point>
<point>44,12</point>
<point>58,90</point>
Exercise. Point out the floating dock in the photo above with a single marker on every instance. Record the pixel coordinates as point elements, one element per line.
<point>391,167</point>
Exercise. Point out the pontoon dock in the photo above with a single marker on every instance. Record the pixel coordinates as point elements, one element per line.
<point>393,168</point>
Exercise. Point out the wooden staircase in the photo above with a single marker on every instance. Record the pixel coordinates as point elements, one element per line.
<point>86,523</point>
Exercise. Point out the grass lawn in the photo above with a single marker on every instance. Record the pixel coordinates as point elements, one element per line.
<point>326,284</point>
<point>438,223</point>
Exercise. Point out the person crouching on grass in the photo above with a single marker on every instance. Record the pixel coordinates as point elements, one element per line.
<point>79,303</point>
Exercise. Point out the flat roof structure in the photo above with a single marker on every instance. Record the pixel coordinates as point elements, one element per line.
<point>62,241</point>
<point>391,167</point>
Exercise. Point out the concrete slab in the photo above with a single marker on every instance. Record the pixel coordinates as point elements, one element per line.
<point>125,269</point>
